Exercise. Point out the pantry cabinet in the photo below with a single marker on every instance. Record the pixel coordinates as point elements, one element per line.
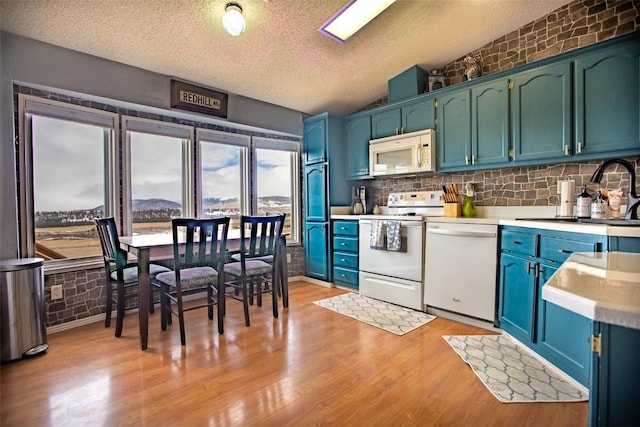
<point>607,102</point>
<point>324,185</point>
<point>529,257</point>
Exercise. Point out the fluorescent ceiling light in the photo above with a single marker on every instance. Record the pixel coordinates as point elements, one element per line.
<point>352,17</point>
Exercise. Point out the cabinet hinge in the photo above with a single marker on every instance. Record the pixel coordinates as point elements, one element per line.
<point>596,344</point>
<point>435,104</point>
<point>510,85</point>
<point>511,154</point>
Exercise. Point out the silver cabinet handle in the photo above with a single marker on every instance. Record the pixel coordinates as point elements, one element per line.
<point>579,147</point>
<point>566,149</point>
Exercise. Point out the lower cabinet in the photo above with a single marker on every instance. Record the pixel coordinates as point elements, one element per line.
<point>316,250</point>
<point>529,257</point>
<point>345,253</point>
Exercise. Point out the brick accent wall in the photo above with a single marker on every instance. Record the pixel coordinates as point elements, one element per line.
<point>577,24</point>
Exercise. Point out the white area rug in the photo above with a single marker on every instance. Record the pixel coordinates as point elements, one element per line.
<point>383,315</point>
<point>511,373</point>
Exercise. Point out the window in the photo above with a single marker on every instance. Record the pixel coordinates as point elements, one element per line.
<point>276,171</point>
<point>158,184</point>
<point>223,168</point>
<point>66,175</point>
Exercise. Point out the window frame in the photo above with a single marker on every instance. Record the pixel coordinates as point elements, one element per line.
<point>296,202</point>
<point>28,106</point>
<point>159,128</point>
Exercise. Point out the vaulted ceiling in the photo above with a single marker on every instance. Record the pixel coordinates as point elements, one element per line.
<point>281,58</point>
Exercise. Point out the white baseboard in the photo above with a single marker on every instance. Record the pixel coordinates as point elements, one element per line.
<point>312,280</point>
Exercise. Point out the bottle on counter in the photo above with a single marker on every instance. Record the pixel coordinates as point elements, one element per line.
<point>583,204</point>
<point>599,207</point>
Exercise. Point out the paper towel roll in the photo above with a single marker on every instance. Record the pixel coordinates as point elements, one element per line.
<point>567,196</point>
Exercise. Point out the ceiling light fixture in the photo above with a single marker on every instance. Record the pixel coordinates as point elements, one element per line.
<point>233,21</point>
<point>352,17</point>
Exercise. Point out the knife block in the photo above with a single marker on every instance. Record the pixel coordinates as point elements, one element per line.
<point>452,210</point>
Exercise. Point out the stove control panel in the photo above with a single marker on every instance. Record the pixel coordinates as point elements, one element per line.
<point>415,199</point>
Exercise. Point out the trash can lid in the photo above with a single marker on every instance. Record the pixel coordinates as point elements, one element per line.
<point>20,264</point>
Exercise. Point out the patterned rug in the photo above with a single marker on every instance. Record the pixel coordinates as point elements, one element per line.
<point>511,373</point>
<point>390,317</point>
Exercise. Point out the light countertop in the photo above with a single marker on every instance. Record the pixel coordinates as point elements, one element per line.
<point>600,286</point>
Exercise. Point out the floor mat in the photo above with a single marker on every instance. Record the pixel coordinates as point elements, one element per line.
<point>511,373</point>
<point>390,317</point>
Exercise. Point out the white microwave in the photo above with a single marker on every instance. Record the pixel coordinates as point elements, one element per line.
<point>407,153</point>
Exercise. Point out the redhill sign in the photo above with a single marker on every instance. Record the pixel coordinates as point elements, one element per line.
<point>198,99</point>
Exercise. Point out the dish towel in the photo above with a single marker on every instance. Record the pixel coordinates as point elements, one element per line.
<point>393,236</point>
<point>376,239</point>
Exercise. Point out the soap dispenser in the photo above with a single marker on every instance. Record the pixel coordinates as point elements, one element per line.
<point>583,204</point>
<point>468,210</point>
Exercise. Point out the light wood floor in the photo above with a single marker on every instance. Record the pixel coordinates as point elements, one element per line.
<point>309,367</point>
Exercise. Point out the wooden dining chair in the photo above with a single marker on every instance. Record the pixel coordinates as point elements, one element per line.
<point>252,274</point>
<point>199,253</point>
<point>120,275</point>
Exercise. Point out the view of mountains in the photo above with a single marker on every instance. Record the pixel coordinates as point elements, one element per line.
<point>158,204</point>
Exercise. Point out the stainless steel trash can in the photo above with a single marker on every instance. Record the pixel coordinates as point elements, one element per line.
<point>22,317</point>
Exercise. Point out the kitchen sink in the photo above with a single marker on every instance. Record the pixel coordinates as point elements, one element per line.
<point>613,222</point>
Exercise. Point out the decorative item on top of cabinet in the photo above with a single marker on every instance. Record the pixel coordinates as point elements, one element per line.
<point>472,67</point>
<point>436,80</point>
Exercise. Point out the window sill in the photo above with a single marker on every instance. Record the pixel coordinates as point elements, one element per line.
<point>66,266</point>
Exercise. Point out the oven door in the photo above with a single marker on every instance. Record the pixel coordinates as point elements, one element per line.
<point>407,264</point>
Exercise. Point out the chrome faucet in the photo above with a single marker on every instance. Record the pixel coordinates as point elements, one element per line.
<point>633,202</point>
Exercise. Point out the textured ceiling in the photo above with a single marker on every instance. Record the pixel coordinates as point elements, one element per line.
<point>281,58</point>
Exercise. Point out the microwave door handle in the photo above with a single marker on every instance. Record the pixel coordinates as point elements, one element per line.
<point>419,156</point>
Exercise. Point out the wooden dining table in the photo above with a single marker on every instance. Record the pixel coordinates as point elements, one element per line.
<point>147,247</point>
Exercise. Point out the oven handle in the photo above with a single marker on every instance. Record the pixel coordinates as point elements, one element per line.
<point>461,233</point>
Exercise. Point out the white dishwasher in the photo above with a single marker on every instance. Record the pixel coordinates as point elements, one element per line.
<point>460,267</point>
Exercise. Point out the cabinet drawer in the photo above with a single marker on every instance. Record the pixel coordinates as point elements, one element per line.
<point>517,242</point>
<point>346,228</point>
<point>346,276</point>
<point>345,244</point>
<point>558,250</point>
<point>342,259</point>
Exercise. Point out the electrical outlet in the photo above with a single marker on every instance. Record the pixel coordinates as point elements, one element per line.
<point>288,257</point>
<point>56,292</point>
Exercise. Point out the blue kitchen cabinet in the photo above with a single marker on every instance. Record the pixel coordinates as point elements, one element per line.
<point>529,257</point>
<point>541,113</point>
<point>607,102</point>
<point>358,135</point>
<point>324,185</point>
<point>473,127</point>
<point>453,141</point>
<point>317,250</point>
<point>345,253</point>
<point>316,206</point>
<point>411,116</point>
<point>624,244</point>
<point>613,394</point>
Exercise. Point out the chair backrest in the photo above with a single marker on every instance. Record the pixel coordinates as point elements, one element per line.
<point>111,251</point>
<point>199,242</point>
<point>259,234</point>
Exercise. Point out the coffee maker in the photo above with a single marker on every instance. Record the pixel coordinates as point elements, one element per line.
<point>367,199</point>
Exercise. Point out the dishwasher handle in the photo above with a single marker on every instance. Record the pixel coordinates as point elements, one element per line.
<point>461,233</point>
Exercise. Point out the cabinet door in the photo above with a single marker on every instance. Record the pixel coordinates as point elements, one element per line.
<point>454,130</point>
<point>418,115</point>
<point>315,140</point>
<point>518,297</point>
<point>490,123</point>
<point>607,103</point>
<point>316,250</point>
<point>358,136</point>
<point>563,336</point>
<point>541,113</point>
<point>315,202</point>
<point>385,123</point>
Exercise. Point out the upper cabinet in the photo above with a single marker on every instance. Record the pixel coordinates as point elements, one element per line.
<point>607,101</point>
<point>473,127</point>
<point>418,114</point>
<point>315,139</point>
<point>541,113</point>
<point>358,136</point>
